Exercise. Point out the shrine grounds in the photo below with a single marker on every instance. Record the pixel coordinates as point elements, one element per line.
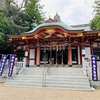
<point>16,93</point>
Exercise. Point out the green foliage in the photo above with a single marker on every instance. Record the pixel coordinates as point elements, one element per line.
<point>15,19</point>
<point>26,17</point>
<point>1,37</point>
<point>33,10</point>
<point>5,24</point>
<point>95,23</point>
<point>31,16</point>
<point>4,48</point>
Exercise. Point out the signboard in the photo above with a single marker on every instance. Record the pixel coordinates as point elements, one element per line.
<point>2,64</point>
<point>94,68</point>
<point>11,66</point>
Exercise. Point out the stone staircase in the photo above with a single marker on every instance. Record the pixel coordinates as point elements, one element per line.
<point>69,78</point>
<point>30,77</point>
<point>64,78</point>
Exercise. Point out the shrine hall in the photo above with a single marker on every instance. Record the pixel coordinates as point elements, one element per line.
<point>56,43</point>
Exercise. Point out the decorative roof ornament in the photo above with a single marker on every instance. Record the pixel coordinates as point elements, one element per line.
<point>49,17</point>
<point>57,18</point>
<point>49,20</point>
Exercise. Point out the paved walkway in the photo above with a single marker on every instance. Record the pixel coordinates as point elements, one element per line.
<point>12,93</point>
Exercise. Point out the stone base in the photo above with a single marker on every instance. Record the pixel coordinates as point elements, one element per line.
<point>27,65</point>
<point>69,65</point>
<point>38,65</point>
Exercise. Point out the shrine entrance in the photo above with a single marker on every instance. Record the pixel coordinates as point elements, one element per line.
<point>55,56</point>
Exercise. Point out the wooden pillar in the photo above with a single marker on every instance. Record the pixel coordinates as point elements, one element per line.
<point>69,55</point>
<point>51,56</point>
<point>27,58</point>
<point>38,56</point>
<point>56,57</point>
<point>91,49</point>
<point>62,58</point>
<point>80,55</point>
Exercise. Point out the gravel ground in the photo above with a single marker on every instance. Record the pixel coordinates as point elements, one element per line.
<point>14,93</point>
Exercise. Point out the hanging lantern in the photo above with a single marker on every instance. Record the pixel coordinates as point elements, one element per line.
<point>26,53</point>
<point>54,48</point>
<point>63,47</point>
<point>24,48</point>
<point>83,51</point>
<point>57,48</point>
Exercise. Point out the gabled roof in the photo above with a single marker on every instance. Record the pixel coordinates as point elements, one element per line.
<point>53,25</point>
<point>86,27</point>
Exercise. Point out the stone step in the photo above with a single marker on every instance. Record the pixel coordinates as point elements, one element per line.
<point>49,82</point>
<point>49,76</point>
<point>68,86</point>
<point>2,80</point>
<point>52,81</point>
<point>23,84</point>
<point>66,78</point>
<point>49,85</point>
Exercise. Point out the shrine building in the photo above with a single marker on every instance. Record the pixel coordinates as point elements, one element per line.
<point>55,42</point>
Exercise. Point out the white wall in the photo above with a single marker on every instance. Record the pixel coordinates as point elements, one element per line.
<point>32,57</point>
<point>98,66</point>
<point>87,52</point>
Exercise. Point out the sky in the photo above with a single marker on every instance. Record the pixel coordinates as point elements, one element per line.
<point>72,12</point>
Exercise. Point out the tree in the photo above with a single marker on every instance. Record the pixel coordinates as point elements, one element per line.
<point>25,17</point>
<point>33,10</point>
<point>5,28</point>
<point>1,37</point>
<point>95,22</point>
<point>5,24</point>
<point>15,19</point>
<point>97,7</point>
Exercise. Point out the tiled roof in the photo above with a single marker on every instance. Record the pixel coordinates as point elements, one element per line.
<point>53,24</point>
<point>86,27</point>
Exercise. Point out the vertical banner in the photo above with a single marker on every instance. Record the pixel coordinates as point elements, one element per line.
<point>11,66</point>
<point>2,64</point>
<point>94,68</point>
